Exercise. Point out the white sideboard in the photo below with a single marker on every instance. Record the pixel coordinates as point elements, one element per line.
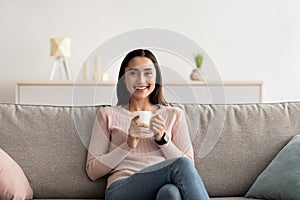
<point>91,93</point>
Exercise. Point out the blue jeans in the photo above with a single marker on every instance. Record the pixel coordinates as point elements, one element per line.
<point>173,179</point>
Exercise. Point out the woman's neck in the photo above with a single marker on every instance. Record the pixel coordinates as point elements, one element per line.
<point>135,105</point>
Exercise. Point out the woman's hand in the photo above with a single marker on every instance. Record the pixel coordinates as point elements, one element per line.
<point>157,124</point>
<point>134,132</point>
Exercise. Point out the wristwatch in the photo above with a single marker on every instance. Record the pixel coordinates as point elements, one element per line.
<point>164,139</point>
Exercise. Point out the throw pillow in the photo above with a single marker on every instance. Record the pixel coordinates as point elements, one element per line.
<point>281,179</point>
<point>13,182</point>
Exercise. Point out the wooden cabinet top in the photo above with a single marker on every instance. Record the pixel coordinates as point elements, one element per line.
<point>228,83</point>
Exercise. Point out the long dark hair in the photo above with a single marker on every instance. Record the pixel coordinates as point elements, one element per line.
<point>156,97</point>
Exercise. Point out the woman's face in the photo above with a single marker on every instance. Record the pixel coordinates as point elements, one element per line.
<point>140,76</point>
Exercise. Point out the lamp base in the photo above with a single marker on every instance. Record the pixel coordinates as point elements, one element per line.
<point>58,63</point>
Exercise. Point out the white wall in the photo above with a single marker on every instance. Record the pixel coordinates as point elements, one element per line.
<point>246,39</point>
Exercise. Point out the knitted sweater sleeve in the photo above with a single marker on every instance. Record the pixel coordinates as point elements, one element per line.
<point>99,160</point>
<point>180,143</point>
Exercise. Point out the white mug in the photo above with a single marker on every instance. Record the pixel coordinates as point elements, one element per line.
<point>145,118</point>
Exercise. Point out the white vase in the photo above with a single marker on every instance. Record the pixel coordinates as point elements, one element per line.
<point>196,75</point>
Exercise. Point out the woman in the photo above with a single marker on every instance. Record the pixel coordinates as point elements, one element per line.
<point>156,167</point>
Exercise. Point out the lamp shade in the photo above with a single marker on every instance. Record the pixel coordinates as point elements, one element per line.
<point>60,47</point>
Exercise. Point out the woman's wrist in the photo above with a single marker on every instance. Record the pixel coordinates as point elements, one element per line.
<point>126,147</point>
<point>158,136</point>
<point>164,139</point>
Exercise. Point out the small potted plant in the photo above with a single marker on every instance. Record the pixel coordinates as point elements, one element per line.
<point>195,75</point>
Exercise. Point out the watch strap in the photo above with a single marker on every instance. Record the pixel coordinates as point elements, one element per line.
<point>164,140</point>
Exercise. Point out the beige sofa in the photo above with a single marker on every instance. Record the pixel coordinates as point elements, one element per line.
<point>233,144</point>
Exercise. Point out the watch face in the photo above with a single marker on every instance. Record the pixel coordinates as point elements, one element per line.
<point>166,138</point>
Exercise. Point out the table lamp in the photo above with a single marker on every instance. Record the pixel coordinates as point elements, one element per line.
<point>60,49</point>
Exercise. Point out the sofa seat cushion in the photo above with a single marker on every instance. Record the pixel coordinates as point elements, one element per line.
<point>218,198</point>
<point>232,198</point>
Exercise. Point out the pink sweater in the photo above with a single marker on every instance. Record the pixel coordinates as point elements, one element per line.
<point>109,153</point>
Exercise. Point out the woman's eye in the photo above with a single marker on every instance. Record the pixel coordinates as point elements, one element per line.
<point>132,73</point>
<point>148,73</point>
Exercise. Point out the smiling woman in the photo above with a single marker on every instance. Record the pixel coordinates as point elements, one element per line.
<point>159,166</point>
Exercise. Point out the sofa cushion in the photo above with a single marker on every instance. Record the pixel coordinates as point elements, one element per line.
<point>281,179</point>
<point>13,182</point>
<point>233,144</point>
<point>44,140</point>
<point>218,198</point>
<point>232,198</point>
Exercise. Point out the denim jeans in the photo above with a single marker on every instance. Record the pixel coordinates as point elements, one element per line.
<point>172,179</point>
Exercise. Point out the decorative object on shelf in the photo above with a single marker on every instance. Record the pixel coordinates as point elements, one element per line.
<point>104,77</point>
<point>196,75</point>
<point>96,75</point>
<point>60,49</point>
<point>85,72</point>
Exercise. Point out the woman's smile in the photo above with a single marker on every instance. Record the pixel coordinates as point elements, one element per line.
<point>141,88</point>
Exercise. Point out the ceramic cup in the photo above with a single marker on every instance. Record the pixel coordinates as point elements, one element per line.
<point>145,117</point>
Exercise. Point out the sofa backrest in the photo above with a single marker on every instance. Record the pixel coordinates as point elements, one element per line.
<point>232,144</point>
<point>44,141</point>
<point>251,136</point>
